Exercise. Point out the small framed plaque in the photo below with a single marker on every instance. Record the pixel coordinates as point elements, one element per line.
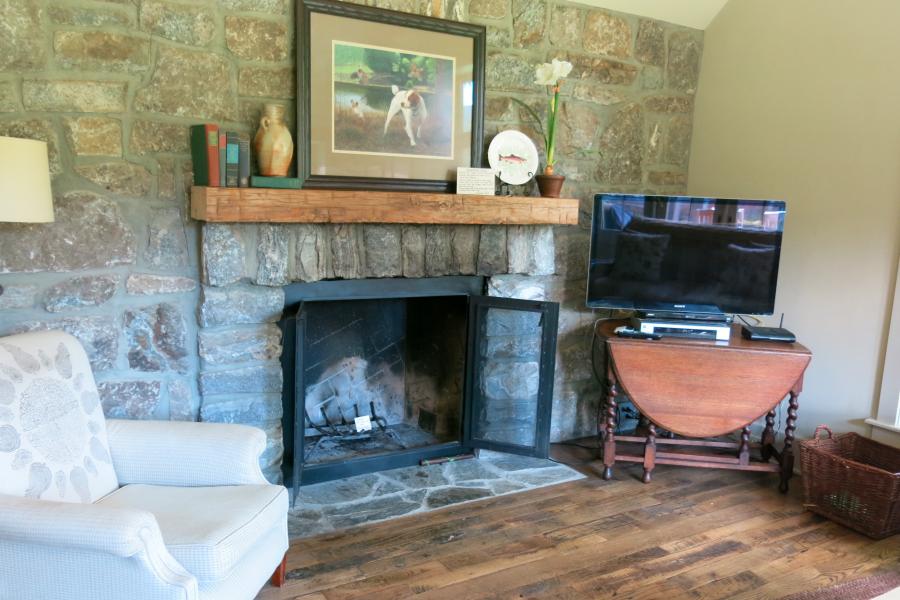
<point>470,180</point>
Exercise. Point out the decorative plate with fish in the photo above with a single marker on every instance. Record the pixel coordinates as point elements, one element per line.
<point>513,157</point>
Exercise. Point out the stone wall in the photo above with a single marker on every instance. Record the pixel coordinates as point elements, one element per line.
<point>112,86</point>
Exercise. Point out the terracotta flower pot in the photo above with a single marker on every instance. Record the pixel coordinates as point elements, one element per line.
<point>550,185</point>
<point>272,144</point>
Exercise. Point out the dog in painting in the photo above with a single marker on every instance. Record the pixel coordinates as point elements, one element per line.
<point>411,105</point>
<point>357,109</point>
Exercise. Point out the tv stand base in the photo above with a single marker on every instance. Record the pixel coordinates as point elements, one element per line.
<point>692,388</point>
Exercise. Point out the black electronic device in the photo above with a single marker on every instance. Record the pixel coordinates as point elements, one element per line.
<point>699,322</point>
<point>627,332</point>
<point>767,334</point>
<point>673,256</point>
<point>758,333</point>
<point>690,313</point>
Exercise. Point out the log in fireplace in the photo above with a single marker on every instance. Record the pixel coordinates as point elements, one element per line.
<point>439,368</point>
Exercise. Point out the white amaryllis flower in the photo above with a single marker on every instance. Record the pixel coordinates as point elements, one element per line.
<point>551,72</point>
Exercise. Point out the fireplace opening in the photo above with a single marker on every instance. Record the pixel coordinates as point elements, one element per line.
<point>399,361</point>
<point>385,373</point>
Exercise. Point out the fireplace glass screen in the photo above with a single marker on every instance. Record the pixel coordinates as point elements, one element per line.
<point>509,376</point>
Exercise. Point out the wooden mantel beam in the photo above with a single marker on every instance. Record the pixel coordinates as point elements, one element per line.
<point>263,205</point>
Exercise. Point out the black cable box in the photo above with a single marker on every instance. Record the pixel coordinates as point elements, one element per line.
<point>767,334</point>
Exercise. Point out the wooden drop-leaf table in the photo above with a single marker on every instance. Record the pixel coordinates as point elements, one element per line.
<point>701,390</point>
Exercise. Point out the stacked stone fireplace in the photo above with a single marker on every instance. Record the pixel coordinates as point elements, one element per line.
<point>246,270</point>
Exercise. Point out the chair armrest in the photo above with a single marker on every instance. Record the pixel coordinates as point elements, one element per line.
<point>99,550</point>
<point>185,454</point>
<point>116,531</point>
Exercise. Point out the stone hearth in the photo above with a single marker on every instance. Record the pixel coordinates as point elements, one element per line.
<point>374,497</point>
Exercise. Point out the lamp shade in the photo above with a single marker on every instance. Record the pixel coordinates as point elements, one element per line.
<point>25,195</point>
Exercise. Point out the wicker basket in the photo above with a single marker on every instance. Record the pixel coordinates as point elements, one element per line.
<point>854,481</point>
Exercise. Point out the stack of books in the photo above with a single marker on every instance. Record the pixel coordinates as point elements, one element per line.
<point>221,158</point>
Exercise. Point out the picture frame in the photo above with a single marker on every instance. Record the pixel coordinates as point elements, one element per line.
<point>386,100</point>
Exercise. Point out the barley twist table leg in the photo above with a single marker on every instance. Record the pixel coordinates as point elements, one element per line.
<point>768,436</point>
<point>787,454</point>
<point>744,451</point>
<point>609,437</point>
<point>649,453</point>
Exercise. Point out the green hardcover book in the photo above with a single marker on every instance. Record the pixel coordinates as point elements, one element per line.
<point>204,143</point>
<point>244,160</point>
<point>284,183</point>
<point>232,159</point>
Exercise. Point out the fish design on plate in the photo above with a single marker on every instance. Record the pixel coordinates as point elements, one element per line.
<point>513,157</point>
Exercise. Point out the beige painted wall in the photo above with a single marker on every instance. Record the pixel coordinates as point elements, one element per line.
<point>800,100</point>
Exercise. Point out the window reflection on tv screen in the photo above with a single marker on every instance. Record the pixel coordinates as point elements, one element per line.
<point>658,252</point>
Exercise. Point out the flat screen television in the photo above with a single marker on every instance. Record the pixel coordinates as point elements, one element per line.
<point>685,254</point>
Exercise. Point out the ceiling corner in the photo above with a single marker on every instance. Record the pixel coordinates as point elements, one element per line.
<point>697,14</point>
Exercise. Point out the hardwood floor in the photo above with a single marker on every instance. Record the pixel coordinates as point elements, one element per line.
<point>691,533</point>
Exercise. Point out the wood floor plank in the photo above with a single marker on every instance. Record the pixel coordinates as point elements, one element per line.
<point>729,586</point>
<point>585,555</point>
<point>691,533</point>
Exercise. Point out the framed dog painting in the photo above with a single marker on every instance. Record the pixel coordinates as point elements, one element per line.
<point>386,100</point>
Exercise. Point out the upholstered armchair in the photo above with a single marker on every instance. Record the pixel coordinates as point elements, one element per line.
<point>99,509</point>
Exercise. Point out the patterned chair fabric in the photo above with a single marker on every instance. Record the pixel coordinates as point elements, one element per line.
<point>53,442</point>
<point>203,525</point>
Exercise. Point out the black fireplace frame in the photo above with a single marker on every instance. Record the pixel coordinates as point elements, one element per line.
<point>471,287</point>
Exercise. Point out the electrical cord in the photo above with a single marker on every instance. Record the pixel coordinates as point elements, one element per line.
<point>741,317</point>
<point>597,376</point>
<point>601,379</point>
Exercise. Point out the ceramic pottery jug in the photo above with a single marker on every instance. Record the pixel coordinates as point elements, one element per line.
<point>273,144</point>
